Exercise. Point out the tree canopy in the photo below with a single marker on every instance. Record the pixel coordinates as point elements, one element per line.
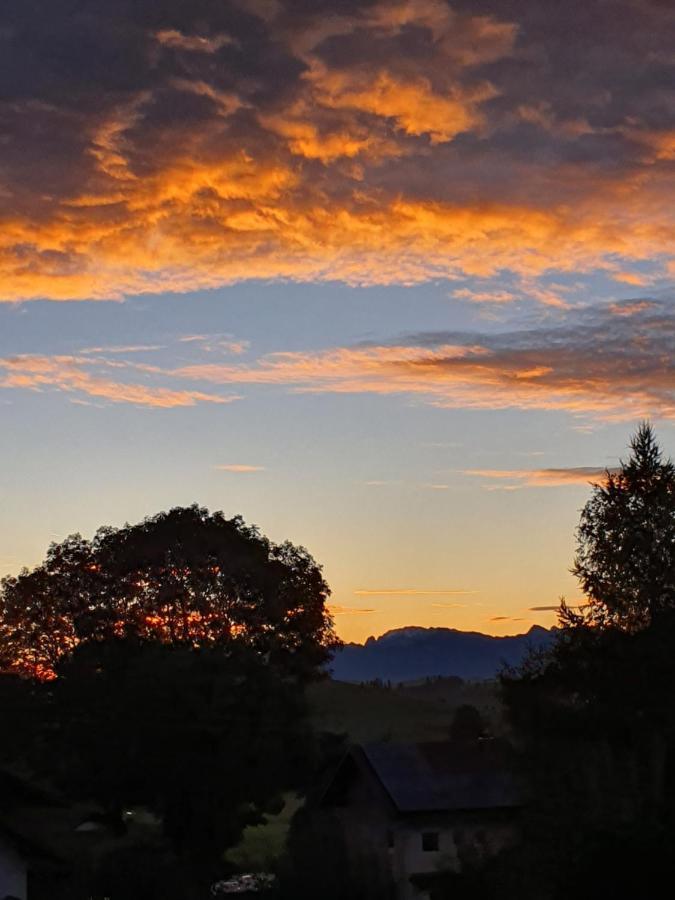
<point>626,539</point>
<point>162,665</point>
<point>184,577</point>
<point>593,713</point>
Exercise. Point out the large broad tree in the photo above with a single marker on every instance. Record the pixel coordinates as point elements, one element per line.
<point>166,663</point>
<point>186,577</point>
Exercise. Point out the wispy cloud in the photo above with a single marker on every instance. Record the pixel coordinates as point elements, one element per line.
<point>129,348</point>
<point>89,376</point>
<point>193,43</point>
<point>240,468</point>
<point>408,592</point>
<point>543,477</point>
<point>587,361</point>
<point>212,343</point>
<point>496,296</point>
<point>337,610</point>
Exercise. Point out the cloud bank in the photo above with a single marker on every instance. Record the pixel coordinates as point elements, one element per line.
<point>150,147</point>
<point>616,362</point>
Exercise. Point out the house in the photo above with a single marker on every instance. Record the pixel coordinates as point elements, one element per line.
<point>20,858</point>
<point>44,839</point>
<point>406,810</point>
<point>13,868</point>
<point>26,859</point>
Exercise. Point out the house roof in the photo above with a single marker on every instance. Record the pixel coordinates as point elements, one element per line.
<point>444,776</point>
<point>21,790</point>
<point>29,850</point>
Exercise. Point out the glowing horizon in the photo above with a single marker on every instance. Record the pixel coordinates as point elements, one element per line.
<point>391,279</point>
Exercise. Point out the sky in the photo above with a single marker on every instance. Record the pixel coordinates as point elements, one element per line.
<point>392,279</point>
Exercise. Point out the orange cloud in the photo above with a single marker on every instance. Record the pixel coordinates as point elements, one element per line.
<point>451,605</point>
<point>194,43</point>
<point>631,278</point>
<point>412,103</point>
<point>337,610</point>
<point>240,468</point>
<point>632,308</point>
<point>72,375</point>
<point>496,296</point>
<point>543,477</point>
<point>371,147</point>
<point>593,362</point>
<point>407,592</point>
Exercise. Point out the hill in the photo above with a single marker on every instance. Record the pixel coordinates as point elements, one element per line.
<point>409,712</point>
<point>408,654</point>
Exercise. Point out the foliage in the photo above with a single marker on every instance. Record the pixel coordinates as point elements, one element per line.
<point>205,739</point>
<point>136,873</point>
<point>594,713</point>
<point>467,724</point>
<point>183,577</point>
<point>626,540</point>
<point>168,663</point>
<point>320,864</point>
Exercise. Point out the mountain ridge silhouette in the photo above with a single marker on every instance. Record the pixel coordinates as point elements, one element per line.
<point>414,652</point>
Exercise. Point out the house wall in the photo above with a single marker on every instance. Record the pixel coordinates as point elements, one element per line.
<point>12,873</point>
<point>362,814</point>
<point>367,821</point>
<point>459,839</point>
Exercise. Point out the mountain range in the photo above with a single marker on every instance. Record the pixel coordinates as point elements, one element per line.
<point>408,654</point>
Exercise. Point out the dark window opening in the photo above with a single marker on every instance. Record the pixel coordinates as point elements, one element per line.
<point>390,838</point>
<point>430,841</point>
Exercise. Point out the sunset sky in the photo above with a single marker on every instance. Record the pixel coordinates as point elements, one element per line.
<point>392,279</point>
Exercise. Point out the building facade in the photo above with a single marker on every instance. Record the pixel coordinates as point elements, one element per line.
<point>408,810</point>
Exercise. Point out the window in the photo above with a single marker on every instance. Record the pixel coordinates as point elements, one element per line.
<point>390,839</point>
<point>430,841</point>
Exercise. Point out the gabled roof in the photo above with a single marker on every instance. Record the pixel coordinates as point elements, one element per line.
<point>443,776</point>
<point>29,850</point>
<point>21,790</point>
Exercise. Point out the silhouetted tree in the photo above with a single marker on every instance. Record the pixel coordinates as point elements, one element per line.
<point>205,739</point>
<point>165,664</point>
<point>594,713</point>
<point>183,577</point>
<point>626,540</point>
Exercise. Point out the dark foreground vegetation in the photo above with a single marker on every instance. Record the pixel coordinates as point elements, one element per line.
<point>594,717</point>
<point>158,673</point>
<point>163,683</point>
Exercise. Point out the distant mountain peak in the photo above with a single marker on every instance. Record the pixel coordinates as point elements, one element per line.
<point>413,652</point>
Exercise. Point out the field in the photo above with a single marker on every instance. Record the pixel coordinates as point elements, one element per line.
<point>420,711</point>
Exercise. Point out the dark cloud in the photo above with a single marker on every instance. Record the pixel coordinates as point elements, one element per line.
<point>171,145</point>
<point>615,362</point>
